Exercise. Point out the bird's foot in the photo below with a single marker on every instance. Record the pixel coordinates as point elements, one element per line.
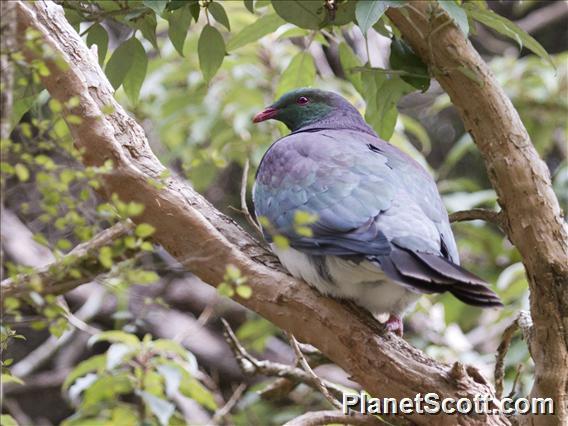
<point>394,324</point>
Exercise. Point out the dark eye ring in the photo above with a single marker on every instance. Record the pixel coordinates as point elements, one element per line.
<point>302,100</point>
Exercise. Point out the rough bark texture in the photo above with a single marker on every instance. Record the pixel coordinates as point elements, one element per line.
<point>205,241</point>
<point>531,216</point>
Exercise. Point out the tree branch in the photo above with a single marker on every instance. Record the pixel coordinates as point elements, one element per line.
<point>205,241</point>
<point>253,366</point>
<point>478,214</point>
<point>317,381</point>
<point>531,214</point>
<point>57,277</point>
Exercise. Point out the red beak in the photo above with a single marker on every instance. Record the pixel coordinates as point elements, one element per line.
<point>267,114</point>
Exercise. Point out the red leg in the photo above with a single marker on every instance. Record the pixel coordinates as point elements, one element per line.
<point>394,324</point>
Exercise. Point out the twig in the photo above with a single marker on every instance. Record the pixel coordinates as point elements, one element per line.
<point>524,323</point>
<point>55,277</point>
<point>478,214</point>
<point>11,404</point>
<point>253,366</point>
<point>45,351</point>
<point>38,383</point>
<point>86,312</point>
<point>226,409</point>
<point>516,380</point>
<point>317,381</point>
<point>207,312</point>
<point>501,353</point>
<point>316,418</point>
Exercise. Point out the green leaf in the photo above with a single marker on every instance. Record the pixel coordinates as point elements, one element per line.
<point>8,378</point>
<point>23,105</point>
<point>388,96</point>
<point>147,25</point>
<point>116,336</point>
<point>179,21</point>
<point>142,277</point>
<point>281,242</point>
<point>218,12</point>
<point>249,4</point>
<point>7,420</point>
<point>244,291</point>
<point>313,14</point>
<point>300,73</point>
<point>509,29</point>
<point>98,35</point>
<point>382,97</point>
<point>304,14</point>
<point>120,62</point>
<point>456,12</point>
<point>22,172</point>
<point>211,51</point>
<point>74,18</point>
<point>304,218</point>
<point>349,61</point>
<point>258,29</point>
<point>403,58</point>
<point>107,389</point>
<point>161,408</point>
<point>191,388</point>
<point>116,354</point>
<point>124,415</point>
<point>170,347</point>
<point>368,13</point>
<point>157,6</point>
<point>105,257</point>
<point>254,333</point>
<point>195,10</point>
<point>95,363</point>
<point>144,230</point>
<point>225,289</point>
<point>137,72</point>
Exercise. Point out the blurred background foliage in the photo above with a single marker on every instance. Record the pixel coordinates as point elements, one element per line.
<point>193,74</point>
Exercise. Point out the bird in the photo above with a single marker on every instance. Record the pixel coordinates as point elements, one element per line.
<point>379,236</point>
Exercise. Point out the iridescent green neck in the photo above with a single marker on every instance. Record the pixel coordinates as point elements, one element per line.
<point>297,117</point>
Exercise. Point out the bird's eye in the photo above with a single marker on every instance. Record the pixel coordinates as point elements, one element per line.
<point>302,100</point>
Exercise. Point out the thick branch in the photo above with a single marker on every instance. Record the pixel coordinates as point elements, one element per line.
<point>205,241</point>
<point>531,214</point>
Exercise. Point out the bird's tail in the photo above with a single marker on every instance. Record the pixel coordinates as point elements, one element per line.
<point>430,273</point>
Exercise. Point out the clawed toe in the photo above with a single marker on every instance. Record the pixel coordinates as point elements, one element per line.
<point>394,325</point>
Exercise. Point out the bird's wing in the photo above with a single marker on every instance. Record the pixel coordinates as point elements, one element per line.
<point>331,176</point>
<point>371,202</point>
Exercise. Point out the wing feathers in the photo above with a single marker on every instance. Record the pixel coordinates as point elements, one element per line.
<point>429,273</point>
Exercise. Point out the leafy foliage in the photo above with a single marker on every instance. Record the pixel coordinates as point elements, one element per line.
<point>149,370</point>
<point>195,72</point>
<point>507,28</point>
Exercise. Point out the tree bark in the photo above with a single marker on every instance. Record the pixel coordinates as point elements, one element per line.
<point>531,217</point>
<point>205,241</point>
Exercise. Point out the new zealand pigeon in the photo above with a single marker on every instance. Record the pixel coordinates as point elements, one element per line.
<point>382,235</point>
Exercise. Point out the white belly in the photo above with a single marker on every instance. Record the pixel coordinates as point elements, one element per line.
<point>364,283</point>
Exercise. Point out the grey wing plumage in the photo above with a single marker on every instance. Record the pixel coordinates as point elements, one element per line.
<point>372,202</point>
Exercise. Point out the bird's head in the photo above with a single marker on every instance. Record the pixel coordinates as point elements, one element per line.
<point>303,107</point>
